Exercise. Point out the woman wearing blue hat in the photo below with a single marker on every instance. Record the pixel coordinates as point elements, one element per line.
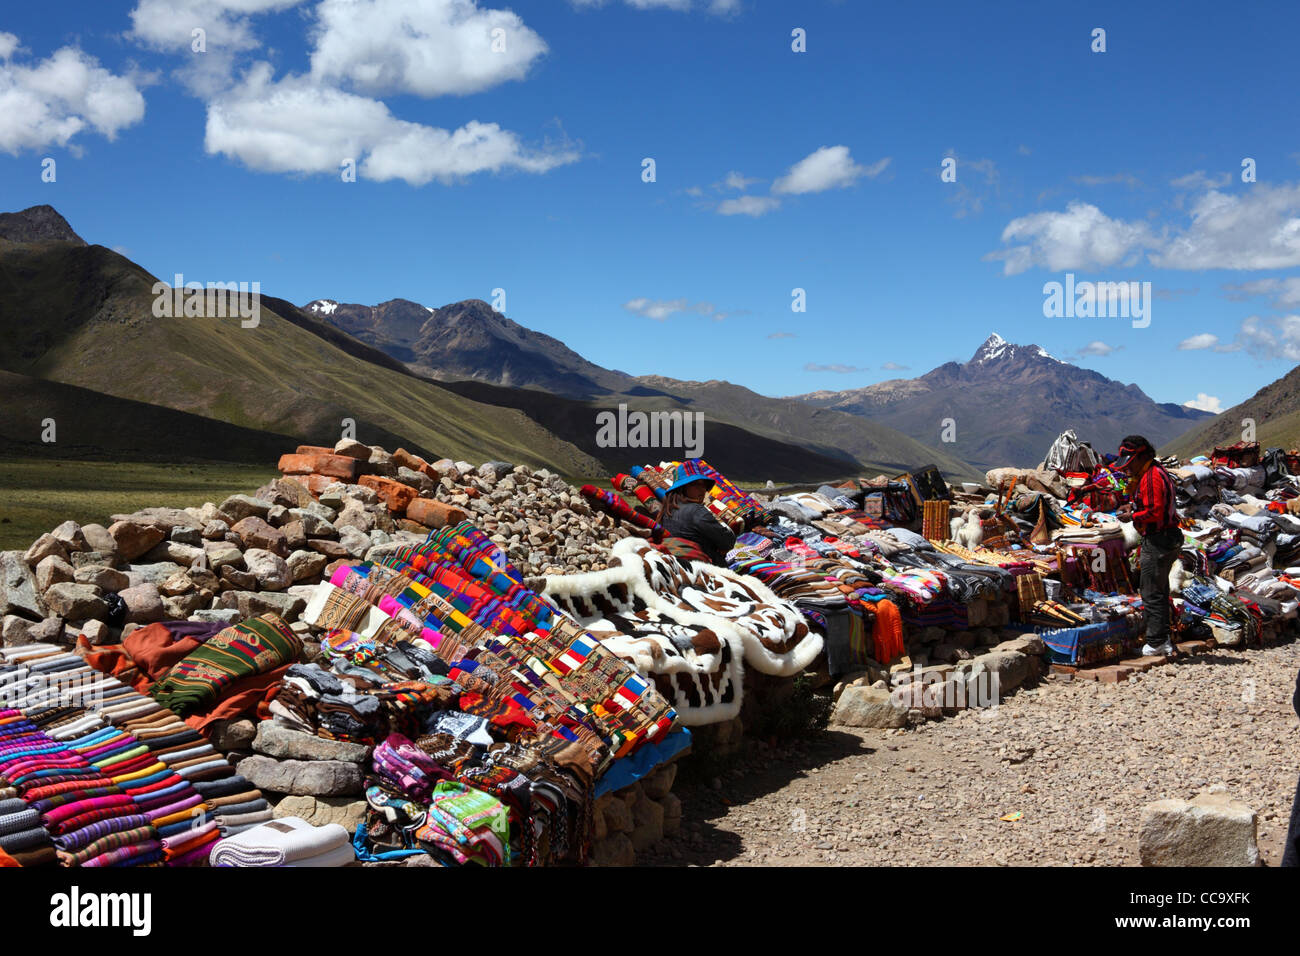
<point>685,516</point>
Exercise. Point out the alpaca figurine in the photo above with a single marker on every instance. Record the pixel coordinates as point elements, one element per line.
<point>1177,577</point>
<point>968,533</point>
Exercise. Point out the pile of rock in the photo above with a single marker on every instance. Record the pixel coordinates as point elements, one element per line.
<point>292,763</point>
<point>635,818</point>
<point>929,691</point>
<point>263,552</point>
<point>540,520</point>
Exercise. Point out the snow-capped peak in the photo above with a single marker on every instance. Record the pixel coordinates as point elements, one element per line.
<point>995,346</point>
<point>323,306</point>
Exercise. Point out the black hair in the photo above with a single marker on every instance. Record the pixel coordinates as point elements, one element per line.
<point>672,501</point>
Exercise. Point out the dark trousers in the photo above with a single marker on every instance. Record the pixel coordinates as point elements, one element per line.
<point>1159,552</point>
<point>1291,855</point>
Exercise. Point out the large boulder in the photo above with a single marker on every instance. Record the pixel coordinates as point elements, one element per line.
<point>71,535</point>
<point>254,532</point>
<point>134,538</point>
<point>221,554</point>
<point>43,547</point>
<point>356,542</point>
<point>98,539</point>
<point>255,603</point>
<point>861,706</point>
<point>143,604</point>
<point>322,811</point>
<point>76,602</point>
<point>1211,829</point>
<point>270,570</point>
<point>53,570</point>
<point>275,740</point>
<point>308,778</point>
<point>164,518</point>
<point>239,507</point>
<point>305,565</point>
<point>18,594</point>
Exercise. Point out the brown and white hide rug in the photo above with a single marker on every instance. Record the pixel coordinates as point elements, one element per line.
<point>689,629</point>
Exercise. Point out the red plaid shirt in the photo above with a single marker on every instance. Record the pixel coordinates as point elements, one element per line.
<point>1154,508</point>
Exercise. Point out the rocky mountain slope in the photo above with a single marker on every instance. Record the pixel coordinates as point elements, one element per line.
<point>1008,402</point>
<point>1275,410</point>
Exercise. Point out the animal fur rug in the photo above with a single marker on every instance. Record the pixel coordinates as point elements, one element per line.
<point>689,629</point>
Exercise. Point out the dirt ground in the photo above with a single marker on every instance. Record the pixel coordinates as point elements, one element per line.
<point>1076,758</point>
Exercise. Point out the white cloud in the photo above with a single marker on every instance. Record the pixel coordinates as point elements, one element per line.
<point>719,8</point>
<point>748,206</point>
<point>781,335</point>
<point>1285,292</point>
<point>734,180</point>
<point>169,24</point>
<point>661,309</point>
<point>51,102</point>
<point>1203,341</point>
<point>1269,338</point>
<point>894,367</point>
<point>424,47</point>
<point>227,25</point>
<point>830,167</point>
<point>1256,229</point>
<point>295,126</point>
<point>1082,237</point>
<point>1200,180</point>
<point>1097,348</point>
<point>1206,403</point>
<point>1127,179</point>
<point>837,369</point>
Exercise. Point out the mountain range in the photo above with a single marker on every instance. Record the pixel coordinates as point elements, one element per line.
<point>1008,402</point>
<point>463,381</point>
<point>82,343</point>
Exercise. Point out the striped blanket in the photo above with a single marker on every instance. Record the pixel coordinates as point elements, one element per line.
<point>255,646</point>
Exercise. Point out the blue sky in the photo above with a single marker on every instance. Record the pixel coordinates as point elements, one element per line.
<point>521,169</point>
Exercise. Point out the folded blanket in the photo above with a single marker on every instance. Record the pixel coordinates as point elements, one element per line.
<point>278,843</point>
<point>200,679</point>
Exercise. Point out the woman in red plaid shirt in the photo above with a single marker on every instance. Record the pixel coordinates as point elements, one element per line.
<point>1153,512</point>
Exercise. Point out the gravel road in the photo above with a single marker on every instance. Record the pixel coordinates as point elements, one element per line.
<point>1078,759</point>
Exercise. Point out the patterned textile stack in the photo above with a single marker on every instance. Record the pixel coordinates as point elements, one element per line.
<point>478,682</point>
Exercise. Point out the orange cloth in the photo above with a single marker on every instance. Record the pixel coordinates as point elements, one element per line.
<point>887,634</point>
<point>248,694</point>
<point>7,860</point>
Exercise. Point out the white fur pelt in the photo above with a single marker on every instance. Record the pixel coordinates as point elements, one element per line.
<point>691,630</point>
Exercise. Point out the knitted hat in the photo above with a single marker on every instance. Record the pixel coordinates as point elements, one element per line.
<point>688,472</point>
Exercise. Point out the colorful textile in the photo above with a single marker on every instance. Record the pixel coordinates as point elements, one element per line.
<point>201,678</point>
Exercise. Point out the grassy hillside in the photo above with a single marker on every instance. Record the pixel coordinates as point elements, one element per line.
<point>874,446</point>
<point>39,493</point>
<point>1275,409</point>
<point>84,317</point>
